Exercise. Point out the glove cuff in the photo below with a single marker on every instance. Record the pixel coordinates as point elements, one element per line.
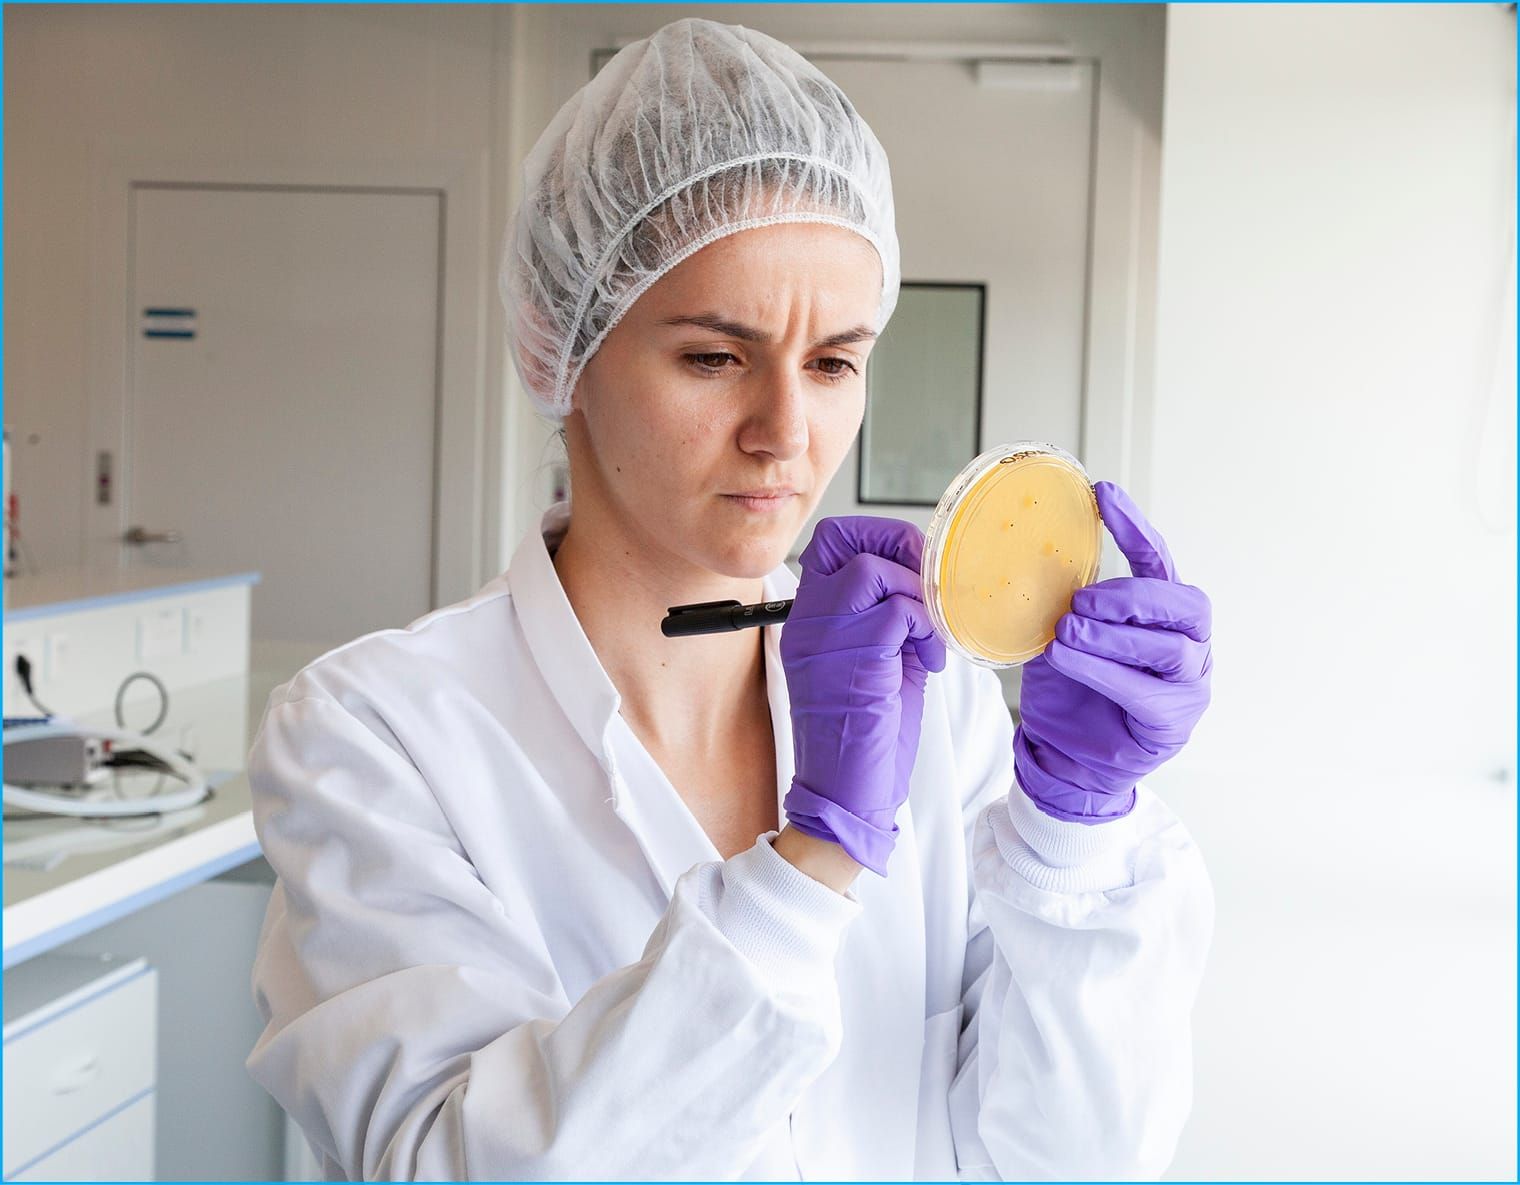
<point>815,815</point>
<point>1060,799</point>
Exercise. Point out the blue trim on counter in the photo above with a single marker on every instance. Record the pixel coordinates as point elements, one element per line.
<point>128,596</point>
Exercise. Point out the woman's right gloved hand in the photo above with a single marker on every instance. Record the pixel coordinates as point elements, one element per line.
<point>857,648</point>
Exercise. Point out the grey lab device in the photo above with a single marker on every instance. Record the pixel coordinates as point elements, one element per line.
<point>53,761</point>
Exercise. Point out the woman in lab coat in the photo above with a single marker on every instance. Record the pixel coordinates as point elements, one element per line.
<point>560,897</point>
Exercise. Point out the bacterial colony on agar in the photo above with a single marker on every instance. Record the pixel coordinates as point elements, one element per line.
<point>1016,534</point>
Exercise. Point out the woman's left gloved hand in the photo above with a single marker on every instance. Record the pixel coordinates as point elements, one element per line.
<point>1119,689</point>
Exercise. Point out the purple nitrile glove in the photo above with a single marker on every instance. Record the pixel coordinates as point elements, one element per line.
<point>857,648</point>
<point>1119,689</point>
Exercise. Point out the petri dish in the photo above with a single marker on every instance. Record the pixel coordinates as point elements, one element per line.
<point>1016,533</point>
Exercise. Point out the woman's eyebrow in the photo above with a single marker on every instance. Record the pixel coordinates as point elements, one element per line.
<point>745,333</point>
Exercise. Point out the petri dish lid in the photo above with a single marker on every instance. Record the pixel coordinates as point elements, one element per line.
<point>1016,533</point>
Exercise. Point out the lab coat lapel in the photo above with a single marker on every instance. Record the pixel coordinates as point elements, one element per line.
<point>672,838</point>
<point>638,793</point>
<point>780,585</point>
<point>560,648</point>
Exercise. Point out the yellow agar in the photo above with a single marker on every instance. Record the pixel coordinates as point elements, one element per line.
<point>1024,537</point>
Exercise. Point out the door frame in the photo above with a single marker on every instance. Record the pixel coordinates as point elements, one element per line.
<point>466,472</point>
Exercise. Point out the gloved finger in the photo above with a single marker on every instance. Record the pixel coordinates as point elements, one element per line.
<point>1140,542</point>
<point>1148,698</point>
<point>836,540</point>
<point>897,625</point>
<point>912,618</point>
<point>865,580</point>
<point>1143,600</point>
<point>929,652</point>
<point>1171,655</point>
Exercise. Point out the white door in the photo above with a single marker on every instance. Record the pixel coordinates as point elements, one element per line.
<point>282,397</point>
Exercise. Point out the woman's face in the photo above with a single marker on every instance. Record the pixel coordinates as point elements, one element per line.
<point>741,371</point>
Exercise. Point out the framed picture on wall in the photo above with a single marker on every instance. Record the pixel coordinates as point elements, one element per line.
<point>923,412</point>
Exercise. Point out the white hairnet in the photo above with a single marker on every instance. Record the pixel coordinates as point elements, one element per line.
<point>698,131</point>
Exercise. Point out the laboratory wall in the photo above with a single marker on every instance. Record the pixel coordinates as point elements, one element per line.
<point>1333,460</point>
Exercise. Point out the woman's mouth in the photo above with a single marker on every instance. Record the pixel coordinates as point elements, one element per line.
<point>762,501</point>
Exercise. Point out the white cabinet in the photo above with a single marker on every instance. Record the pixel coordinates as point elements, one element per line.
<point>80,1067</point>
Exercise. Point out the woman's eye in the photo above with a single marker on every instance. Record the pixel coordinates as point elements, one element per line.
<point>710,363</point>
<point>834,370</point>
<point>847,368</point>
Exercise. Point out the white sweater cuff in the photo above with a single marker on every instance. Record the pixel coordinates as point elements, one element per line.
<point>1065,856</point>
<point>785,922</point>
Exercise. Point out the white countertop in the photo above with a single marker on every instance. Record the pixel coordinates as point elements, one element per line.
<point>70,589</point>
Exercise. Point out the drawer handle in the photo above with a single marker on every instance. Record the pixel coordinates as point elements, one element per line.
<point>68,1079</point>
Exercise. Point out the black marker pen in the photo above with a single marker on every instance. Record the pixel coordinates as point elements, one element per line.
<point>717,617</point>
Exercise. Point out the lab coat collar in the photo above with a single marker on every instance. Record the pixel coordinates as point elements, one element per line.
<point>591,702</point>
<point>671,836</point>
<point>554,635</point>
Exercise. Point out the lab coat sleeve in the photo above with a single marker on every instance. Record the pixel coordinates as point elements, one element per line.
<point>1085,953</point>
<point>415,1026</point>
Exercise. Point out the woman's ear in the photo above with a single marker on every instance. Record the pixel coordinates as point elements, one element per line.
<point>578,393</point>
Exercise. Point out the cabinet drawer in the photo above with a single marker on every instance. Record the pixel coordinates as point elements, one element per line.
<point>118,1148</point>
<point>78,1064</point>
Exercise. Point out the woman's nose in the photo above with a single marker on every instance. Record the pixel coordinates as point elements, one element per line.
<point>778,422</point>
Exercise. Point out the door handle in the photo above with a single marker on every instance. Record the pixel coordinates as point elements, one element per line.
<point>76,1075</point>
<point>140,535</point>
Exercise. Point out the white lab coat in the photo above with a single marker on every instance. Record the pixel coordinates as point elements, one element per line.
<point>501,946</point>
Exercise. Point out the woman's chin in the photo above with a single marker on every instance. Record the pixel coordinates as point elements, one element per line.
<point>749,548</point>
<point>747,559</point>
